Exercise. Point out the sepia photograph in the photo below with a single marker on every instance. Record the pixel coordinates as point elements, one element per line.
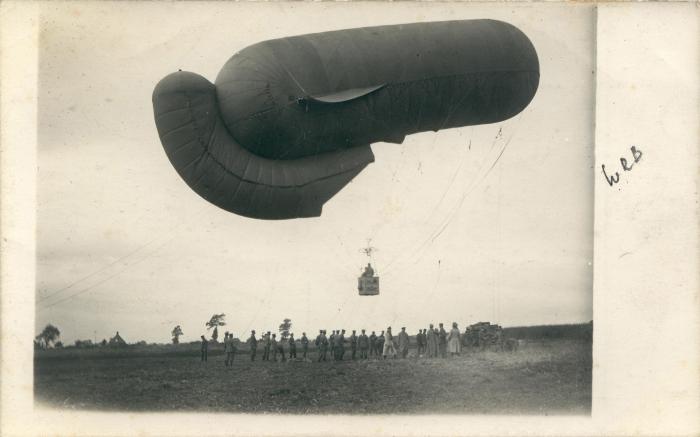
<point>315,208</point>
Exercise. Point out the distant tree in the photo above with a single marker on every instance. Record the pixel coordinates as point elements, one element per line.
<point>103,342</point>
<point>284,328</point>
<point>215,321</point>
<point>177,332</point>
<point>49,335</point>
<point>58,344</point>
<point>83,343</point>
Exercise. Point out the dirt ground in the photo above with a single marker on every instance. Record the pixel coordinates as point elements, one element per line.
<point>551,377</point>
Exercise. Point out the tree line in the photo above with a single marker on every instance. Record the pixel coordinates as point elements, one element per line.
<point>49,336</point>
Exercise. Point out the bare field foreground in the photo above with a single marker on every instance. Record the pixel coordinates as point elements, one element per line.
<point>541,378</point>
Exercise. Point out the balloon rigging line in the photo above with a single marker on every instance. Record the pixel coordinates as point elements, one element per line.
<point>119,272</point>
<point>126,266</point>
<point>449,187</point>
<point>405,254</point>
<point>402,164</point>
<point>437,283</point>
<point>461,201</point>
<point>451,215</point>
<point>138,249</point>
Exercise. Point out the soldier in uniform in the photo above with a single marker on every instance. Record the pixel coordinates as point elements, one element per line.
<point>229,349</point>
<point>226,348</point>
<point>317,342</point>
<point>403,343</point>
<point>442,341</point>
<point>205,348</point>
<point>253,342</point>
<point>372,344</point>
<point>304,344</point>
<point>353,344</point>
<point>336,346</point>
<point>292,347</point>
<point>363,343</point>
<point>432,342</point>
<point>419,342</point>
<point>380,344</point>
<point>273,346</point>
<point>331,340</point>
<point>426,347</point>
<point>322,343</point>
<point>341,345</point>
<point>268,345</point>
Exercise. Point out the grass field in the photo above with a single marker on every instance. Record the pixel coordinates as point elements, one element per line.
<point>546,377</point>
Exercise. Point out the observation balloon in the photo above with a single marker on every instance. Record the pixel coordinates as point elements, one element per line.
<point>289,122</point>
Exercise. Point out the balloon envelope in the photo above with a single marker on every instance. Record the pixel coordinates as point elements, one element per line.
<point>298,96</point>
<point>289,122</point>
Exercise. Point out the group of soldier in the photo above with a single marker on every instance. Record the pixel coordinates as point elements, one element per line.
<point>367,345</point>
<point>431,342</point>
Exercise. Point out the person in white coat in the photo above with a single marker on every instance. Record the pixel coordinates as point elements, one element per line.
<point>454,343</point>
<point>389,348</point>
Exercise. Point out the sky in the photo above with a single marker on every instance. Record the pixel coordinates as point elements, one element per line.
<point>123,244</point>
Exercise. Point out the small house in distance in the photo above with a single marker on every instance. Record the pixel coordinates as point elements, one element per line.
<point>117,341</point>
